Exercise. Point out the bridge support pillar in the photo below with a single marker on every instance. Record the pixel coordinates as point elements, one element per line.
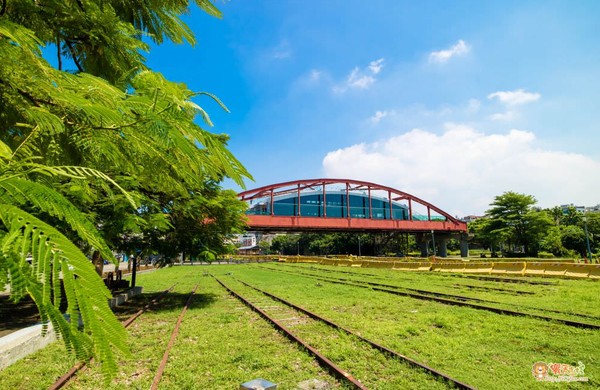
<point>442,250</point>
<point>423,242</point>
<point>464,245</point>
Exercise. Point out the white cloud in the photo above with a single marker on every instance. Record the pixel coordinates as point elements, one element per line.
<point>375,66</point>
<point>281,51</point>
<point>473,106</point>
<point>315,75</point>
<point>360,78</point>
<point>442,56</point>
<point>503,116</point>
<point>462,169</point>
<point>378,116</point>
<point>513,98</point>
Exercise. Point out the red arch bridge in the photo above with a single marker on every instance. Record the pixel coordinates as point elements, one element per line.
<point>335,205</point>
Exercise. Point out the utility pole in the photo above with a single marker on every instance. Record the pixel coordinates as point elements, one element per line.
<point>587,239</point>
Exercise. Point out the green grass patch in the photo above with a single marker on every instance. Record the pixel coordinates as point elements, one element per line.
<point>222,344</point>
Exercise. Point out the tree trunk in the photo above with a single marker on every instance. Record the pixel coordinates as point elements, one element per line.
<point>98,262</point>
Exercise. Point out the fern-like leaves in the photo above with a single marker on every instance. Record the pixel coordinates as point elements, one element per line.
<point>56,259</point>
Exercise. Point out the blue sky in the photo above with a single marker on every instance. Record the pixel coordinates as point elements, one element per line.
<point>453,102</point>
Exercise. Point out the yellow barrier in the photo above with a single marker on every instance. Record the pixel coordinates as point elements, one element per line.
<point>404,265</point>
<point>385,264</point>
<point>535,269</point>
<point>477,268</point>
<point>424,266</point>
<point>508,268</point>
<point>594,271</point>
<point>436,267</point>
<point>448,267</point>
<point>412,266</point>
<point>578,270</point>
<point>555,269</point>
<point>378,264</point>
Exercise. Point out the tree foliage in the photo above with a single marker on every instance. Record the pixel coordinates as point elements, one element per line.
<point>513,222</point>
<point>91,154</point>
<point>323,244</point>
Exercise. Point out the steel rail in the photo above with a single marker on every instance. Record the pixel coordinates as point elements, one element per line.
<point>464,298</point>
<point>453,296</point>
<point>505,280</point>
<point>64,379</point>
<point>461,297</point>
<point>502,290</point>
<point>373,286</point>
<point>326,363</point>
<point>163,362</point>
<point>519,292</point>
<point>373,344</point>
<point>130,320</point>
<point>460,275</point>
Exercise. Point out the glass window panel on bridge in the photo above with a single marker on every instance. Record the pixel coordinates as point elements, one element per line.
<point>312,205</point>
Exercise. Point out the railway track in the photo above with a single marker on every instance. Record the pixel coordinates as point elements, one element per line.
<point>163,362</point>
<point>501,279</point>
<point>299,324</point>
<point>66,378</point>
<point>495,289</point>
<point>450,299</point>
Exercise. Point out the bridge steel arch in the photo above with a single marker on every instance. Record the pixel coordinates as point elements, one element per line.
<point>442,223</point>
<point>438,229</point>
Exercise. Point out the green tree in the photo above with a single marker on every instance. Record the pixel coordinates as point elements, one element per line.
<point>265,247</point>
<point>286,244</point>
<point>573,237</point>
<point>488,233</point>
<point>94,146</point>
<point>552,242</point>
<point>572,217</point>
<point>593,228</point>
<point>512,216</point>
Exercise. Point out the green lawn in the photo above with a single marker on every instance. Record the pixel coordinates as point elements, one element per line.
<point>222,344</point>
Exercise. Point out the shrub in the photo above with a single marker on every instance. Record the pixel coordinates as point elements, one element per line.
<point>545,255</point>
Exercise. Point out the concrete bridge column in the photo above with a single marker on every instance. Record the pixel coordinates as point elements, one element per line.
<point>464,245</point>
<point>442,250</point>
<point>423,242</point>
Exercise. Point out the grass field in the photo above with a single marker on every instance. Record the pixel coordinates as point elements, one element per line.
<point>222,343</point>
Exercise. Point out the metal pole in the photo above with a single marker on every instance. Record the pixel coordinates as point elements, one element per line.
<point>324,201</point>
<point>133,271</point>
<point>433,239</point>
<point>359,246</point>
<point>587,239</point>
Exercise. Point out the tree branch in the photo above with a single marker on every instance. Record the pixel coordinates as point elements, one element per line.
<point>80,4</point>
<point>34,100</point>
<point>58,52</point>
<point>73,54</point>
